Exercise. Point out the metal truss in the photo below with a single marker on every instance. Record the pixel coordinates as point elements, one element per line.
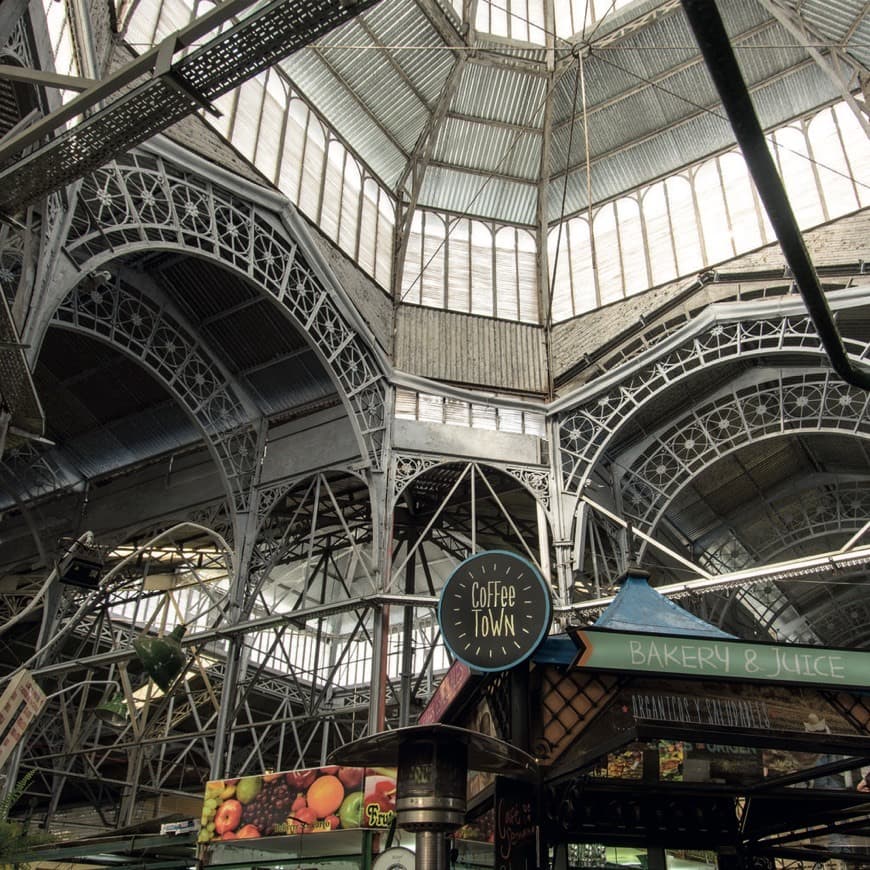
<point>136,325</point>
<point>815,402</point>
<point>827,507</point>
<point>143,201</point>
<point>587,428</point>
<point>155,90</point>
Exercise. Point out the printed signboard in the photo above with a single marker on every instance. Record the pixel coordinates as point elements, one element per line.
<point>21,702</point>
<point>721,659</point>
<point>312,800</point>
<point>494,610</point>
<point>451,685</point>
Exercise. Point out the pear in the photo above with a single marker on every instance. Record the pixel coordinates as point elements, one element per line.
<point>248,788</point>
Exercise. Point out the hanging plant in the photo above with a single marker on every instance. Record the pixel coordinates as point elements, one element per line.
<point>16,840</point>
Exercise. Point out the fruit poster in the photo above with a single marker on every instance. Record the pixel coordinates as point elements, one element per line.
<point>313,800</point>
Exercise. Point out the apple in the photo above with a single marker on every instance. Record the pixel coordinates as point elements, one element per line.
<point>248,831</point>
<point>302,820</point>
<point>334,821</point>
<point>351,777</point>
<point>229,835</point>
<point>350,811</point>
<point>298,804</point>
<point>299,780</point>
<point>228,816</point>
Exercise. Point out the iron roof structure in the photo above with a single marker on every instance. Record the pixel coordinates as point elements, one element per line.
<point>309,325</point>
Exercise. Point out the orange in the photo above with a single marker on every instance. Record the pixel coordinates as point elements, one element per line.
<point>325,795</point>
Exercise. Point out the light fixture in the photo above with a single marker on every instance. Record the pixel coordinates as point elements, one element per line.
<point>162,657</point>
<point>113,710</point>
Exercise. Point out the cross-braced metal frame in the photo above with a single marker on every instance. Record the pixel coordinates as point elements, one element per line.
<point>320,627</point>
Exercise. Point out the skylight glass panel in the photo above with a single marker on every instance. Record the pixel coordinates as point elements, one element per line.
<point>575,17</point>
<point>520,20</point>
<point>61,42</point>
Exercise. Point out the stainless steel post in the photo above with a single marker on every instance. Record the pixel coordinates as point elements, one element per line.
<point>431,851</point>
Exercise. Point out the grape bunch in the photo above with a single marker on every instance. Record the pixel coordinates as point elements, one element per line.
<point>216,793</point>
<point>269,808</point>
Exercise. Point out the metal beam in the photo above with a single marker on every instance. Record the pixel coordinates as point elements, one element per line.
<point>44,78</point>
<point>809,566</point>
<point>171,90</point>
<point>798,28</point>
<point>713,41</point>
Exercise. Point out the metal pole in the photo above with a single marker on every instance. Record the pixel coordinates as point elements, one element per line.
<point>431,851</point>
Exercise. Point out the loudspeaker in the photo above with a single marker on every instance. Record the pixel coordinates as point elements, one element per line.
<point>83,571</point>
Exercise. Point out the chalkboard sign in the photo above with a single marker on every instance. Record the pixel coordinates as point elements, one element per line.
<point>516,828</point>
<point>494,610</point>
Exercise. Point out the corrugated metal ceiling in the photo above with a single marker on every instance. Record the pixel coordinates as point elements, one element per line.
<point>649,101</point>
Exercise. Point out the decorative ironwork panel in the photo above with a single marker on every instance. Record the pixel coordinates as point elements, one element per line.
<point>585,431</point>
<point>805,403</point>
<point>141,201</point>
<point>408,466</point>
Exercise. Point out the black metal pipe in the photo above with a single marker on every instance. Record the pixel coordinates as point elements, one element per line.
<point>706,23</point>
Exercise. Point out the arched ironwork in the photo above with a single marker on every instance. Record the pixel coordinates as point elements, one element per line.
<point>141,201</point>
<point>794,404</point>
<point>146,332</point>
<point>587,429</point>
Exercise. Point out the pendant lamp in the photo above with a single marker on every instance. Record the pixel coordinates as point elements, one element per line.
<point>113,710</point>
<point>162,657</point>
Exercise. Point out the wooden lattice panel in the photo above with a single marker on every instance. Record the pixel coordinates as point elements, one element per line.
<point>856,708</point>
<point>569,702</point>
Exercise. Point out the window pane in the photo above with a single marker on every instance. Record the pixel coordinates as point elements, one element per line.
<point>687,241</point>
<point>838,189</point>
<point>350,205</point>
<point>506,281</point>
<point>607,251</point>
<point>558,256</point>
<point>632,246</point>
<point>295,135</point>
<point>386,228</point>
<point>459,266</point>
<point>433,260</point>
<point>481,269</point>
<point>663,265</point>
<point>527,276</point>
<point>741,203</point>
<point>411,282</point>
<point>857,149</point>
<point>368,226</point>
<point>312,169</point>
<point>796,169</point>
<point>714,216</point>
<point>332,189</point>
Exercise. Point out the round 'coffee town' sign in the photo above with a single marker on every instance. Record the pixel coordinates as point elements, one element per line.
<point>494,610</point>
